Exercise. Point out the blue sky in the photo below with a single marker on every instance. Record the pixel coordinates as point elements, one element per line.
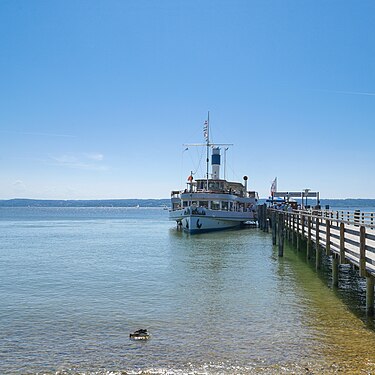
<point>97,97</point>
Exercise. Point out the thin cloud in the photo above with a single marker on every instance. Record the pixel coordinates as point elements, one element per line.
<point>85,161</point>
<point>38,134</point>
<point>95,156</point>
<point>349,92</point>
<point>18,183</point>
<point>19,186</point>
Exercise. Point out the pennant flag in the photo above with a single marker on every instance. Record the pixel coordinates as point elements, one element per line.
<point>274,187</point>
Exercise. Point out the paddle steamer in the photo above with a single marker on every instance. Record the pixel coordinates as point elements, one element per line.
<point>212,203</point>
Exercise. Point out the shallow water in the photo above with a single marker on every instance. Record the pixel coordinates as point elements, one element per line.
<point>76,281</point>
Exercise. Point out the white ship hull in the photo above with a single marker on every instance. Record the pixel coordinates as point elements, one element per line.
<point>211,221</point>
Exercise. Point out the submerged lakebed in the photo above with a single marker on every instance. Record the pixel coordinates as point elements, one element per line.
<point>76,281</point>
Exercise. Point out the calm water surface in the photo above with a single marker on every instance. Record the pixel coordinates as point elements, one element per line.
<point>74,282</point>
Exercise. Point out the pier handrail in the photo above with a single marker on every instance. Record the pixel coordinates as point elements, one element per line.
<point>347,239</point>
<point>352,240</point>
<point>367,219</point>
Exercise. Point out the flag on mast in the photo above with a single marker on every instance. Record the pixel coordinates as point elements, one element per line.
<point>205,130</point>
<point>274,187</point>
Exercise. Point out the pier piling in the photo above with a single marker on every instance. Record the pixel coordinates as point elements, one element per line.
<point>281,233</point>
<point>273,223</point>
<point>335,270</point>
<point>370,295</point>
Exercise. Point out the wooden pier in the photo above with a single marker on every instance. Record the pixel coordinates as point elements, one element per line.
<point>345,236</point>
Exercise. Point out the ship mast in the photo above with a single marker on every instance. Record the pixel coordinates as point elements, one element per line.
<point>207,136</point>
<point>208,144</point>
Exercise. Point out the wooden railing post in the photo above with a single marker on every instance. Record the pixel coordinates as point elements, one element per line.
<point>266,222</point>
<point>303,226</point>
<point>259,217</point>
<point>273,223</point>
<point>281,233</point>
<point>297,234</point>
<point>264,217</point>
<point>317,240</point>
<point>308,243</point>
<point>362,251</point>
<point>342,243</point>
<point>328,237</point>
<point>294,228</point>
<point>290,227</point>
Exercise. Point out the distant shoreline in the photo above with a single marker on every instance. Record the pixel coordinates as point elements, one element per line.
<point>18,202</point>
<point>22,202</point>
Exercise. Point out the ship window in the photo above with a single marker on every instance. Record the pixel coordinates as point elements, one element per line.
<point>203,204</point>
<point>224,206</point>
<point>215,205</point>
<point>184,204</point>
<point>231,206</point>
<point>194,203</point>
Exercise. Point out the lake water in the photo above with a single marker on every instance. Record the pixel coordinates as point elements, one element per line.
<point>74,282</point>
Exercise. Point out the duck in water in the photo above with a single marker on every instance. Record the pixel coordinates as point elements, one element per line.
<point>140,334</point>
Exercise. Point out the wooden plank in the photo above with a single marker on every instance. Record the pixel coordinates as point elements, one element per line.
<point>370,236</point>
<point>335,236</point>
<point>353,254</point>
<point>370,249</point>
<point>352,242</point>
<point>370,261</point>
<point>353,232</point>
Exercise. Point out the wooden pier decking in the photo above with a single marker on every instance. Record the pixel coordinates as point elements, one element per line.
<point>345,236</point>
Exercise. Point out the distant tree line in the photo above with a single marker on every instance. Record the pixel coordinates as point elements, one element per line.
<point>85,203</point>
